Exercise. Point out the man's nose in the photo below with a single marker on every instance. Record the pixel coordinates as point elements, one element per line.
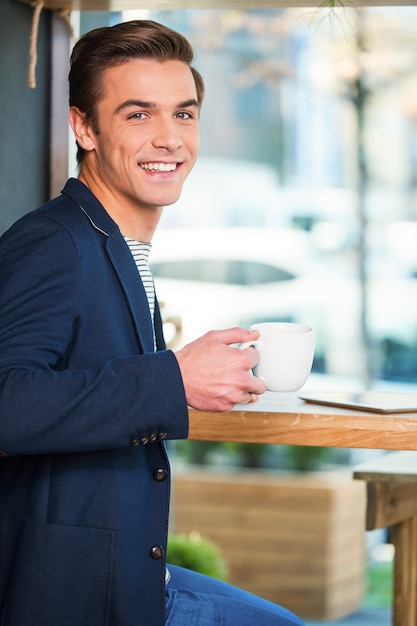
<point>168,136</point>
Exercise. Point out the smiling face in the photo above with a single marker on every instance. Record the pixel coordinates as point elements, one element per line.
<point>145,142</point>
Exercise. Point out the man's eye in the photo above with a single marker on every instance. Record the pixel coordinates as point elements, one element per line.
<point>184,115</point>
<point>137,116</point>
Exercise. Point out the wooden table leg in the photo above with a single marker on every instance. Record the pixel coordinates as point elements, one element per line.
<point>404,538</point>
<point>392,503</point>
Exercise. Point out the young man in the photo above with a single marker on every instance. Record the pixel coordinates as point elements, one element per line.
<point>88,391</point>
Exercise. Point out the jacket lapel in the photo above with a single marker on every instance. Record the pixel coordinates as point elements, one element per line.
<point>121,259</point>
<point>134,291</point>
<point>160,341</point>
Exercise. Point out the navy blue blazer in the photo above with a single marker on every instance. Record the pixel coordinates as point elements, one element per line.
<point>84,406</point>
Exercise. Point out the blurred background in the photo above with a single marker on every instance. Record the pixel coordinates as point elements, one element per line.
<point>302,207</point>
<point>303,203</point>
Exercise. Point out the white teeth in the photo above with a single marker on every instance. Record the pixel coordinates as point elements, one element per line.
<point>159,167</point>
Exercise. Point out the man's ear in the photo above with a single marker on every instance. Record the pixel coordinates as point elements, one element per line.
<point>82,130</point>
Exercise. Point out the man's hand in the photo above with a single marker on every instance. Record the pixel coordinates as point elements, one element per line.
<point>216,375</point>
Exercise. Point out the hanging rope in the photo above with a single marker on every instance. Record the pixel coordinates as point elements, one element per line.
<point>65,15</point>
<point>33,54</point>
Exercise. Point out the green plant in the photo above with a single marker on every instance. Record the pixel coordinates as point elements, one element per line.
<point>305,458</point>
<point>330,11</point>
<point>250,455</point>
<point>196,553</point>
<point>334,4</point>
<point>379,585</point>
<point>197,452</point>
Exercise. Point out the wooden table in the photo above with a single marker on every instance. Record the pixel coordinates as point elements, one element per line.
<point>285,419</point>
<point>391,482</point>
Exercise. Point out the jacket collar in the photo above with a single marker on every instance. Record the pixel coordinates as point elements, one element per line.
<point>89,204</point>
<point>119,256</point>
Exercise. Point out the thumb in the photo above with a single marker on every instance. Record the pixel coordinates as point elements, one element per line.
<point>236,335</point>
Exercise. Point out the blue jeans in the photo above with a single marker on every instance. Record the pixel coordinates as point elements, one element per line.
<point>196,600</point>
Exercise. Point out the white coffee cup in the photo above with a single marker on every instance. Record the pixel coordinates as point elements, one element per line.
<point>286,352</point>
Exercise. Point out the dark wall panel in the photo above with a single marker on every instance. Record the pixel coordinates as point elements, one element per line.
<point>24,113</point>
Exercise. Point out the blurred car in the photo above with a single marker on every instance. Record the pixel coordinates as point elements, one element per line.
<point>217,278</point>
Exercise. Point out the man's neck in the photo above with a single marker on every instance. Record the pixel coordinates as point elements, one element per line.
<point>135,222</point>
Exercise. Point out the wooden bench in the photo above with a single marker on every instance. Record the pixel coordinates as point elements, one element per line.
<point>295,539</point>
<point>391,482</point>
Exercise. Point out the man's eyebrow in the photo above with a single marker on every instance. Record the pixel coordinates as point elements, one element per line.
<point>143,104</point>
<point>189,103</point>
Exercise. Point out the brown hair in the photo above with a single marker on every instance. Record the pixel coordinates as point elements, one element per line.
<point>106,47</point>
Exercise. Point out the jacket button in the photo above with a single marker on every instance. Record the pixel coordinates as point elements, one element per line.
<point>160,475</point>
<point>157,552</point>
<point>134,442</point>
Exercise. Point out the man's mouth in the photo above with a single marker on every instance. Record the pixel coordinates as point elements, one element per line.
<point>159,167</point>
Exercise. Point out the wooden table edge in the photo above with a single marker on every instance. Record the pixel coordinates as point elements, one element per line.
<point>313,427</point>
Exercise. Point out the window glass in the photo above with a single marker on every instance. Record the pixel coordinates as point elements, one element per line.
<point>309,127</point>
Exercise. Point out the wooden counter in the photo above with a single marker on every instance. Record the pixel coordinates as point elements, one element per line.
<point>283,418</point>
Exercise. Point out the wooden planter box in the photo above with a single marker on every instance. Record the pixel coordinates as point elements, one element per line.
<point>297,540</point>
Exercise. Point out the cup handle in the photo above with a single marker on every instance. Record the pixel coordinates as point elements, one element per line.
<point>252,344</point>
<point>249,344</point>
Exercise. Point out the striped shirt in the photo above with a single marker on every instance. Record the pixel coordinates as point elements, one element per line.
<point>140,252</point>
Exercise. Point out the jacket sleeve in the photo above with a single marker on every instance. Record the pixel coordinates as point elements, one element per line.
<point>48,406</point>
